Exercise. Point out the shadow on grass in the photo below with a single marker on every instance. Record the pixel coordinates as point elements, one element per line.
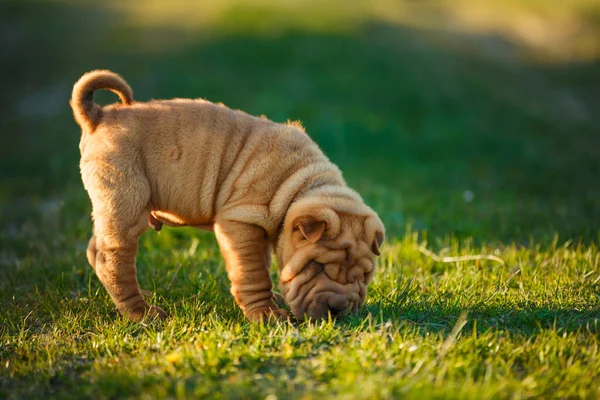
<point>526,320</point>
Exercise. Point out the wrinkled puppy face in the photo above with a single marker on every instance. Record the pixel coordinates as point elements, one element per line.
<point>327,259</point>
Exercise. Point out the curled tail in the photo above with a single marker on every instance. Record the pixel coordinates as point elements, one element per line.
<point>87,113</point>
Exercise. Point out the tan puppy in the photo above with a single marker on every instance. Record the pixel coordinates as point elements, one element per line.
<point>260,185</point>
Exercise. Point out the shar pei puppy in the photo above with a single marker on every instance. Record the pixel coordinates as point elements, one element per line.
<point>263,187</point>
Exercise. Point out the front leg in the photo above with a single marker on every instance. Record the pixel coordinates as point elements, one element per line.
<point>246,253</point>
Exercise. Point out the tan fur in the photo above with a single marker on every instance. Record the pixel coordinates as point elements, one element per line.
<point>260,185</point>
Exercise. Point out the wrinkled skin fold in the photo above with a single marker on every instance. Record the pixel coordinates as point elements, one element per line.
<point>329,275</point>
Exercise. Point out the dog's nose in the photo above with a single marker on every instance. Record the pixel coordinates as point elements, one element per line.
<point>336,311</point>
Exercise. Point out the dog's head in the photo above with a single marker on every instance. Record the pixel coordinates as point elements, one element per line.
<point>326,254</point>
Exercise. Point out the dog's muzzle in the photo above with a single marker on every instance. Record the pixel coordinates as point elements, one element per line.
<point>312,294</point>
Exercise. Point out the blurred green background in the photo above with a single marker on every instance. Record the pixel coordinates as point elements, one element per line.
<point>456,118</point>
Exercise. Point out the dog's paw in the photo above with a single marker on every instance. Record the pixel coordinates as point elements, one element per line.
<point>145,312</point>
<point>155,312</point>
<point>265,314</point>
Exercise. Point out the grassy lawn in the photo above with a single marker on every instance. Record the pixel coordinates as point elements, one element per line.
<point>470,128</point>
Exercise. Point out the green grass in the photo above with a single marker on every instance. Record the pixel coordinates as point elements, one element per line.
<point>418,106</point>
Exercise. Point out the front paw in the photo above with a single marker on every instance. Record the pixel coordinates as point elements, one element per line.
<point>265,314</point>
<point>144,311</point>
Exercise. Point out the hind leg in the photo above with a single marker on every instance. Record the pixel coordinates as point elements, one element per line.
<point>117,246</point>
<point>120,217</point>
<point>91,252</point>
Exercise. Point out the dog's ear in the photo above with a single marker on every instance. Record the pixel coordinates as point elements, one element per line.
<point>377,242</point>
<point>314,223</point>
<point>312,229</point>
